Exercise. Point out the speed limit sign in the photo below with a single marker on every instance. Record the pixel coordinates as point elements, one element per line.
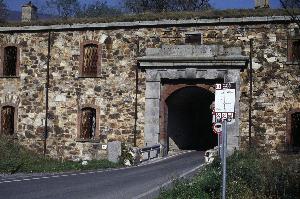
<point>217,127</point>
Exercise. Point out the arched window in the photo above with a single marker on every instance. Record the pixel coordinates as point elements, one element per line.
<point>8,120</point>
<point>10,63</point>
<point>90,59</point>
<point>88,123</point>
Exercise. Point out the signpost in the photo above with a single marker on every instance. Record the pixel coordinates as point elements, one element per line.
<point>223,113</point>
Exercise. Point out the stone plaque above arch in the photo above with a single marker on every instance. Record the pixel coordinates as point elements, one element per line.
<point>188,62</point>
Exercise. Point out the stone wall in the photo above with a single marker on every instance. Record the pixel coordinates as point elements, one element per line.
<point>274,92</point>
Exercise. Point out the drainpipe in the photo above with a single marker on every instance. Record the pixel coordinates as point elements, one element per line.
<point>251,92</point>
<point>136,94</point>
<point>47,94</point>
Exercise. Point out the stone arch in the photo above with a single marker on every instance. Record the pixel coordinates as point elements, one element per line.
<point>170,91</point>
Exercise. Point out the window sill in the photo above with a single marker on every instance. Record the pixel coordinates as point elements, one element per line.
<point>89,77</point>
<point>9,77</point>
<point>97,140</point>
<point>292,63</point>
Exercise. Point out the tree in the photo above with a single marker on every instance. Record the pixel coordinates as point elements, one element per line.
<point>292,7</point>
<point>3,10</point>
<point>64,8</point>
<point>98,9</point>
<point>138,6</point>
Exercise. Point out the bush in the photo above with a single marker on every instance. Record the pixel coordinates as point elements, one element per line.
<point>15,158</point>
<point>250,175</point>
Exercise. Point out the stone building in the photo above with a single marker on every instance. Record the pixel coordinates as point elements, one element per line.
<point>149,82</point>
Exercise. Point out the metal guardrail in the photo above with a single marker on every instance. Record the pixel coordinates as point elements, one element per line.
<point>148,150</point>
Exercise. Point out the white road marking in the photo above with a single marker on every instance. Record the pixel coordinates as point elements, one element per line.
<point>92,172</point>
<point>157,188</point>
<point>45,177</point>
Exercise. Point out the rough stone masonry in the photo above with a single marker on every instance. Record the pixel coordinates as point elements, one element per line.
<point>158,51</point>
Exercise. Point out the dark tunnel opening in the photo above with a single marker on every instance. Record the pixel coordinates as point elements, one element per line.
<point>189,124</point>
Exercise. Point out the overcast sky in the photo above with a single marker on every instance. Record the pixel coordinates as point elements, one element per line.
<point>219,4</point>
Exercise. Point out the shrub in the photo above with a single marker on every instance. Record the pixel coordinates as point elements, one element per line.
<point>15,158</point>
<point>250,175</point>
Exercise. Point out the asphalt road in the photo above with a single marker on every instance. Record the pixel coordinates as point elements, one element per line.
<point>135,182</point>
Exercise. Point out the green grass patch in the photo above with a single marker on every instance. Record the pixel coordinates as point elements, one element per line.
<point>15,158</point>
<point>250,175</point>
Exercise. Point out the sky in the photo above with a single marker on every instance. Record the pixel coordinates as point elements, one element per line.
<point>219,4</point>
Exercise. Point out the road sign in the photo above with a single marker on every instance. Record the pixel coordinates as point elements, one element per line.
<point>217,127</point>
<point>224,101</point>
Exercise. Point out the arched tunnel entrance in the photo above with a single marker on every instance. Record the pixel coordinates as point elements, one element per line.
<point>188,121</point>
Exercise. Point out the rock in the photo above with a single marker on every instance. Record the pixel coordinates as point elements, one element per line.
<point>114,151</point>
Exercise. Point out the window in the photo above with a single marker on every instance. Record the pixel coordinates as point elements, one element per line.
<point>88,123</point>
<point>7,120</point>
<point>296,50</point>
<point>90,59</point>
<point>295,130</point>
<point>193,38</point>
<point>10,62</point>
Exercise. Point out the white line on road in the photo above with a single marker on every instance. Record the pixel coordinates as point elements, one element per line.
<point>157,188</point>
<point>92,172</point>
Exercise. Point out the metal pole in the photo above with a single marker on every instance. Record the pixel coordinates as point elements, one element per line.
<point>219,144</point>
<point>224,153</point>
<point>251,92</point>
<point>136,96</point>
<point>47,93</point>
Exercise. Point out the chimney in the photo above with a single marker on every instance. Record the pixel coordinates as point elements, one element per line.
<point>262,4</point>
<point>29,12</point>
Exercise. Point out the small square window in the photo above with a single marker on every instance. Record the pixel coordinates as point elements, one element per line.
<point>195,38</point>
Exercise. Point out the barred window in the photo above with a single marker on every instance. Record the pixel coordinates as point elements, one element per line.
<point>7,120</point>
<point>10,61</point>
<point>90,60</point>
<point>88,123</point>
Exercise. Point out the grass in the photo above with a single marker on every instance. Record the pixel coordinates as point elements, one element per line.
<point>15,158</point>
<point>250,176</point>
<point>206,14</point>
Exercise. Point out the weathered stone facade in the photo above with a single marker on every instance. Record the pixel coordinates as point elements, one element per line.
<point>275,82</point>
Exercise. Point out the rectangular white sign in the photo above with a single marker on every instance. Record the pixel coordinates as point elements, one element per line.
<point>225,98</point>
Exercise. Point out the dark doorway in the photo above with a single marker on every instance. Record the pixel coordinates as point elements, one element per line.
<point>189,123</point>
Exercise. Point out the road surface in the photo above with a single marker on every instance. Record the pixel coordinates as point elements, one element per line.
<point>132,183</point>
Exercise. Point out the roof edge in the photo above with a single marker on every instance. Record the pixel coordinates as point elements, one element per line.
<point>137,24</point>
